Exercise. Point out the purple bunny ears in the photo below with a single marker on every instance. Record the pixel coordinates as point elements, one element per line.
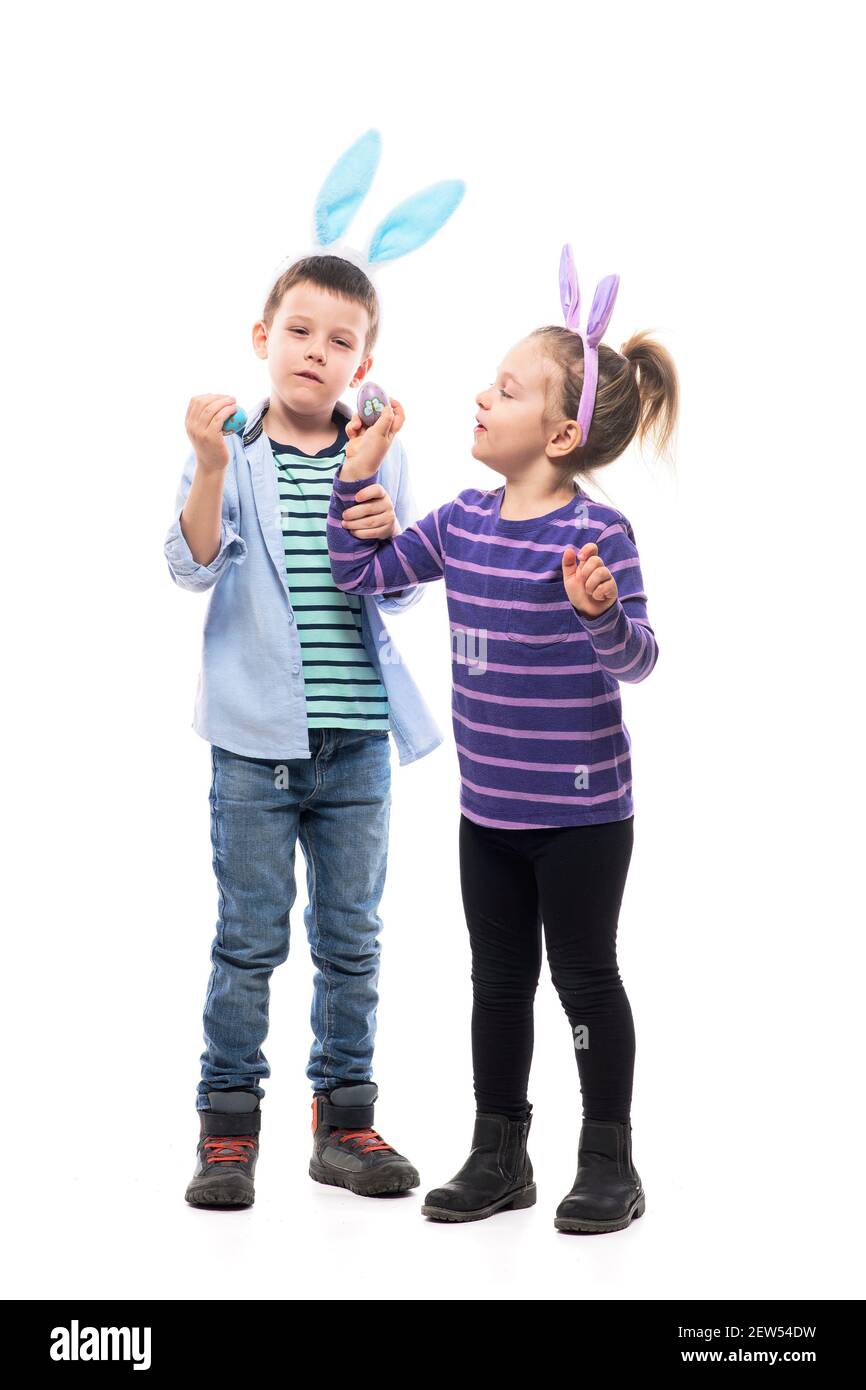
<point>599,317</point>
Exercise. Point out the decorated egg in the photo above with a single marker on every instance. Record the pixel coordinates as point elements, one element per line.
<point>235,423</point>
<point>371,402</point>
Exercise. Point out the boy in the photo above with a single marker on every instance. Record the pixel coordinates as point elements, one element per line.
<point>296,700</point>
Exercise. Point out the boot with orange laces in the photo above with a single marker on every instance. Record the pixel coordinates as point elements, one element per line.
<point>348,1152</point>
<point>227,1151</point>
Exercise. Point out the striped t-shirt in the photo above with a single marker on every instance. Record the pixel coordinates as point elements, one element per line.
<point>341,685</point>
<point>536,707</point>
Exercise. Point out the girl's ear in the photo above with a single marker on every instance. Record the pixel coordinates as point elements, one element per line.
<point>346,187</point>
<point>415,220</point>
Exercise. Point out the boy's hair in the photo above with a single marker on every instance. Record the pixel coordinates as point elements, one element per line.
<point>638,396</point>
<point>340,277</point>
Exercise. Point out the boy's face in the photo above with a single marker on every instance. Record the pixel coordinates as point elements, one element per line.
<point>319,333</point>
<point>511,409</point>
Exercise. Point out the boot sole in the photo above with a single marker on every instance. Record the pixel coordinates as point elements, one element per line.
<point>227,1199</point>
<point>576,1223</point>
<point>376,1185</point>
<point>513,1201</point>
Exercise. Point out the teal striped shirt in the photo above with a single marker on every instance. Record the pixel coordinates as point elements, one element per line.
<point>342,688</point>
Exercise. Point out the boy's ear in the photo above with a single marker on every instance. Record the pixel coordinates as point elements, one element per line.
<point>361,371</point>
<point>260,339</point>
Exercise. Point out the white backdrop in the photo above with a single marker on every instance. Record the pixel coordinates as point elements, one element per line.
<point>158,165</point>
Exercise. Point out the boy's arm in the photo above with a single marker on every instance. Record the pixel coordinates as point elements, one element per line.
<point>406,511</point>
<point>184,570</point>
<point>414,557</point>
<point>624,643</point>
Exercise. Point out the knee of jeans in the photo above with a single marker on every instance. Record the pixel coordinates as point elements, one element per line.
<point>348,958</point>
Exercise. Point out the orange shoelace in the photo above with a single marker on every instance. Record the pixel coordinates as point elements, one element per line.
<point>232,1147</point>
<point>367,1139</point>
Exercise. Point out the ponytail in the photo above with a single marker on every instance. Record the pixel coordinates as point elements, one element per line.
<point>637,394</point>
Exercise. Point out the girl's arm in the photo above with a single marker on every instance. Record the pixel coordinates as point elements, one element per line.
<point>416,556</point>
<point>624,643</point>
<point>406,511</point>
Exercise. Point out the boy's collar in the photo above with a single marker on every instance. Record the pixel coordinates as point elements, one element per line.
<point>255,426</point>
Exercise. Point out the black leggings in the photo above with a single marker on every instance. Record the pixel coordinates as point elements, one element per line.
<point>572,879</point>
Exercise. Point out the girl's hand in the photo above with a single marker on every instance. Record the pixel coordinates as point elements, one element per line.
<point>374,518</point>
<point>368,445</point>
<point>589,584</point>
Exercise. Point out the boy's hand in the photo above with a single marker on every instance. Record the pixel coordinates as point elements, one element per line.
<point>368,446</point>
<point>373,518</point>
<point>205,417</point>
<point>589,584</point>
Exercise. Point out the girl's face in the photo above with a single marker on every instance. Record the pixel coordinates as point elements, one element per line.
<point>510,412</point>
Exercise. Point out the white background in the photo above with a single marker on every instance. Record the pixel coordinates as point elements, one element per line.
<point>158,164</point>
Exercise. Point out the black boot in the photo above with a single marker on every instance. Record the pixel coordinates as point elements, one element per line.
<point>347,1152</point>
<point>227,1151</point>
<point>607,1191</point>
<point>496,1176</point>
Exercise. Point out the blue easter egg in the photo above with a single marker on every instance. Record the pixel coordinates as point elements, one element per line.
<point>235,423</point>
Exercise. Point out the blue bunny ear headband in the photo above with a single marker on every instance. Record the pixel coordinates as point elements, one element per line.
<point>406,227</point>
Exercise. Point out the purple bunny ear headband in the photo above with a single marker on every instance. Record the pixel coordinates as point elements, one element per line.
<point>599,317</point>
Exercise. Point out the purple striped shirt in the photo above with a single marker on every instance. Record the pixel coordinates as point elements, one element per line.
<point>536,704</point>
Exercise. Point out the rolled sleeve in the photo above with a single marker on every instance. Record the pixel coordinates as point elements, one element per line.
<point>184,570</point>
<point>191,575</point>
<point>399,602</point>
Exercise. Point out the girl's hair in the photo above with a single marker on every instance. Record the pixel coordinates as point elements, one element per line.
<point>340,277</point>
<point>639,396</point>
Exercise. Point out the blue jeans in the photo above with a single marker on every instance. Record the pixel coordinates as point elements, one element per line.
<point>337,803</point>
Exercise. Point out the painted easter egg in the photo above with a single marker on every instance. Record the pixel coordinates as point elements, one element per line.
<point>235,423</point>
<point>371,402</point>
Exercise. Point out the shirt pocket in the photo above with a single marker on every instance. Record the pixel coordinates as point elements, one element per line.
<point>539,613</point>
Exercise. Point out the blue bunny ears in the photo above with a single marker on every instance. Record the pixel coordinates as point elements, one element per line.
<point>406,227</point>
<point>346,187</point>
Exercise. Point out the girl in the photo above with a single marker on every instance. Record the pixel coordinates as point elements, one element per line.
<point>547,614</point>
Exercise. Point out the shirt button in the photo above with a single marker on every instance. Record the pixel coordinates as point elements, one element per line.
<point>291,617</point>
<point>295,670</point>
